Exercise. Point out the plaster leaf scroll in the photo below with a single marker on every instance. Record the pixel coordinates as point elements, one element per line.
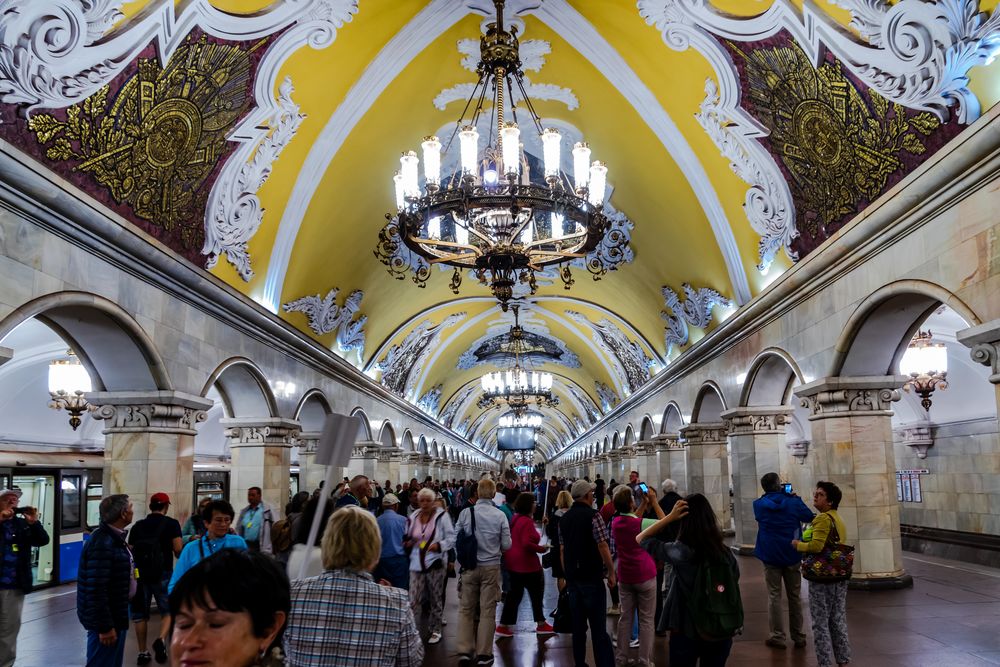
<point>629,360</point>
<point>55,53</point>
<point>234,213</point>
<point>695,310</point>
<point>768,203</point>
<point>326,316</point>
<point>430,402</point>
<point>606,395</point>
<point>401,361</point>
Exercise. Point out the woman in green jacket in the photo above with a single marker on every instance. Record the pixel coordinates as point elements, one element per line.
<point>827,602</point>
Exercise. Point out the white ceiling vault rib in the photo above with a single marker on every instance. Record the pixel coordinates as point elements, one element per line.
<point>582,36</point>
<point>429,24</point>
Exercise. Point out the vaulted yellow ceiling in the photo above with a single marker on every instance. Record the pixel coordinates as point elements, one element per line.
<point>369,95</point>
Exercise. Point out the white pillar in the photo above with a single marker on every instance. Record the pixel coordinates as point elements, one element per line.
<point>261,456</point>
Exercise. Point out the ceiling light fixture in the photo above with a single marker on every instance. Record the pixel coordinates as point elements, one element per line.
<point>492,215</point>
<point>526,420</point>
<point>516,386</point>
<point>68,382</point>
<point>927,365</point>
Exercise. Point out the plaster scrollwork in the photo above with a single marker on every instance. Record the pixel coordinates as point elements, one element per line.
<point>326,316</point>
<point>918,436</point>
<point>844,397</point>
<point>743,422</point>
<point>234,211</point>
<point>695,310</point>
<point>606,395</point>
<point>916,52</point>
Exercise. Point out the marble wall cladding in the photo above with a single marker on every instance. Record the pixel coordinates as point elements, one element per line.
<point>141,464</point>
<point>961,490</point>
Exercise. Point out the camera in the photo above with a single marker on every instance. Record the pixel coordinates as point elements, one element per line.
<point>643,487</point>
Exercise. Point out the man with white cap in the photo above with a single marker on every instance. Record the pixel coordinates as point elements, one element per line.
<point>586,559</point>
<point>393,564</point>
<point>19,531</point>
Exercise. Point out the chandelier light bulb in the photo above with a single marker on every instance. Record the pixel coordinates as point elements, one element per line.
<point>550,151</point>
<point>924,359</point>
<point>581,165</point>
<point>461,234</point>
<point>68,376</point>
<point>397,181</point>
<point>409,163</point>
<point>598,183</point>
<point>434,228</point>
<point>490,177</point>
<point>432,160</point>
<point>468,139</point>
<point>557,226</point>
<point>510,145</point>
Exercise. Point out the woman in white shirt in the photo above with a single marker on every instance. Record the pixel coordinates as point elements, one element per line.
<point>429,536</point>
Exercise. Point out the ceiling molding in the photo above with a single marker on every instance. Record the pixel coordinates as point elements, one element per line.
<point>582,36</point>
<point>429,24</point>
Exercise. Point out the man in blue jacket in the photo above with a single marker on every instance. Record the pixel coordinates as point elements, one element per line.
<point>20,530</point>
<point>105,583</point>
<point>780,516</point>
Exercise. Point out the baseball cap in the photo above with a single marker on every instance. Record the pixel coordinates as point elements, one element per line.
<point>390,499</point>
<point>5,492</point>
<point>160,498</point>
<point>580,488</point>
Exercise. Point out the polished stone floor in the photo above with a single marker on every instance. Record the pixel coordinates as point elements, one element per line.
<point>950,618</point>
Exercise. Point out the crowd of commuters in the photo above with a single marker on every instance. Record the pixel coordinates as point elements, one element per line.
<point>350,590</point>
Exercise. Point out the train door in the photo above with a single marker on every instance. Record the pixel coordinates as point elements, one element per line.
<point>293,486</point>
<point>38,490</point>
<point>80,498</point>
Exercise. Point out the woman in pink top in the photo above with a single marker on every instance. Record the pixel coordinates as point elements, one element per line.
<point>636,573</point>
<point>521,561</point>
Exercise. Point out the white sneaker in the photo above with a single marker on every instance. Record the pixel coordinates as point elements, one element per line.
<point>434,638</point>
<point>634,643</point>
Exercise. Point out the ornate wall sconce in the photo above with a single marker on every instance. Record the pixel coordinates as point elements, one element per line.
<point>68,382</point>
<point>927,365</point>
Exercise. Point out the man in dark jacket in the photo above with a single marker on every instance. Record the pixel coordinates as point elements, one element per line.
<point>668,534</point>
<point>780,516</point>
<point>105,583</point>
<point>17,535</point>
<point>586,561</point>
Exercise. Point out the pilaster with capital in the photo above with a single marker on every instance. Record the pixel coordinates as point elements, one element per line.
<point>673,460</point>
<point>261,456</point>
<point>149,445</point>
<point>851,420</point>
<point>708,466</point>
<point>647,463</point>
<point>615,465</point>
<point>364,459</point>
<point>310,472</point>
<point>983,342</point>
<point>408,466</point>
<point>756,447</point>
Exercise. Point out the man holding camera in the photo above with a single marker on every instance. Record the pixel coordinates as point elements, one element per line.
<point>19,531</point>
<point>780,515</point>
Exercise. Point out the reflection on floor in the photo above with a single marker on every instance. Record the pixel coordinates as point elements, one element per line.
<point>950,618</point>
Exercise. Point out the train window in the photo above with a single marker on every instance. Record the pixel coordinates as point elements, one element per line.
<point>94,494</point>
<point>70,501</point>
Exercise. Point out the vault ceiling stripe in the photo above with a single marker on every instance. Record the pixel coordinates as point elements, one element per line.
<point>583,37</point>
<point>421,31</point>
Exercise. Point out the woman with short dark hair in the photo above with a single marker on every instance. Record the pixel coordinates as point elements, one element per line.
<point>218,517</point>
<point>521,562</point>
<point>229,610</point>
<point>827,600</point>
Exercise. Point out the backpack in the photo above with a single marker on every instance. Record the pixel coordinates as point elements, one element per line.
<point>281,535</point>
<point>715,604</point>
<point>467,546</point>
<point>147,554</point>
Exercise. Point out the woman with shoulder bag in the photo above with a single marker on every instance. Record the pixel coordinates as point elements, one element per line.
<point>429,536</point>
<point>827,567</point>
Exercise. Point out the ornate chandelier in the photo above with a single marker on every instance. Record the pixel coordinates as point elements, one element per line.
<point>68,382</point>
<point>517,387</point>
<point>927,365</point>
<point>526,420</point>
<point>490,216</point>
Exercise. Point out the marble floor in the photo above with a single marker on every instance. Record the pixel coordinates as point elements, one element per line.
<point>950,618</point>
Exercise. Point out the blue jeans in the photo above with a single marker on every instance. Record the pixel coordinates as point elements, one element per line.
<point>589,605</point>
<point>395,570</point>
<point>687,652</point>
<point>99,655</point>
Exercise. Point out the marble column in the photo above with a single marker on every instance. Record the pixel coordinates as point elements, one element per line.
<point>615,466</point>
<point>756,440</point>
<point>408,466</point>
<point>310,472</point>
<point>852,447</point>
<point>984,341</point>
<point>424,468</point>
<point>364,459</point>
<point>647,464</point>
<point>673,461</point>
<point>708,466</point>
<point>261,456</point>
<point>149,445</point>
<point>393,457</point>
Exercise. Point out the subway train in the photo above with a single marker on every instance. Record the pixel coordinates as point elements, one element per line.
<point>67,489</point>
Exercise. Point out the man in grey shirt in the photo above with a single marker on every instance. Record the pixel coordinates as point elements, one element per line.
<point>481,586</point>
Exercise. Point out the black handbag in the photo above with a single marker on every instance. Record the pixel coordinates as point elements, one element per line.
<point>548,559</point>
<point>562,616</point>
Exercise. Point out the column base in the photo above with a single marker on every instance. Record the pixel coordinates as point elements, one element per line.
<point>890,583</point>
<point>742,549</point>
